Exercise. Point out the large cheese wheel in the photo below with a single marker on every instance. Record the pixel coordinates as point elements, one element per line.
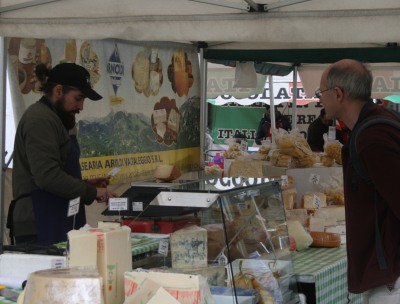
<point>77,285</point>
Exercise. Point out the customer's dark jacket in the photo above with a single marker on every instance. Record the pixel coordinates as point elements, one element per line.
<point>379,150</point>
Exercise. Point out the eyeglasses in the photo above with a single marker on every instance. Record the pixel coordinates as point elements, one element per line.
<point>318,92</point>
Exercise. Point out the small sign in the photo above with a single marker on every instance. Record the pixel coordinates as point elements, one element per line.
<point>285,180</point>
<point>114,171</point>
<point>73,207</point>
<point>242,206</point>
<point>118,203</point>
<point>137,206</point>
<point>57,263</point>
<point>316,201</point>
<point>243,146</point>
<point>314,178</point>
<point>332,133</point>
<point>163,247</point>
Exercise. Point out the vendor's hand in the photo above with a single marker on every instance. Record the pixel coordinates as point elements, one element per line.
<point>101,182</point>
<point>103,194</point>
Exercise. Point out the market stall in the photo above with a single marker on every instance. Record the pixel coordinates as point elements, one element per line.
<point>317,25</point>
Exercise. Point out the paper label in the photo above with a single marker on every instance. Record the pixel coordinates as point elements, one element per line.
<point>114,171</point>
<point>118,203</point>
<point>316,201</point>
<point>137,206</point>
<point>285,180</point>
<point>73,207</point>
<point>314,178</point>
<point>57,263</point>
<point>243,146</point>
<point>332,133</point>
<point>163,247</point>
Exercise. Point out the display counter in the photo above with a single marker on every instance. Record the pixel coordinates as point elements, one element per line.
<point>321,275</point>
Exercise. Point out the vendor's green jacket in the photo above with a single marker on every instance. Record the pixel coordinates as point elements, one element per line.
<point>41,148</point>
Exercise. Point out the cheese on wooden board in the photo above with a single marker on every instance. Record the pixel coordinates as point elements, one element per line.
<point>65,286</point>
<point>114,257</point>
<point>313,200</point>
<point>82,248</point>
<point>189,247</point>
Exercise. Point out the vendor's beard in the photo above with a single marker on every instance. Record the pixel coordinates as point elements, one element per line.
<point>67,117</point>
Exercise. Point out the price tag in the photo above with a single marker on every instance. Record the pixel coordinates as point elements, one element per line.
<point>241,206</point>
<point>332,133</point>
<point>285,180</point>
<point>137,206</point>
<point>163,247</point>
<point>243,146</point>
<point>114,171</point>
<point>57,263</point>
<point>316,201</point>
<point>118,203</point>
<point>314,178</point>
<point>73,207</point>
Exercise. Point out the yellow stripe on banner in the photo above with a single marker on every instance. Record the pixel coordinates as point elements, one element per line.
<point>139,166</point>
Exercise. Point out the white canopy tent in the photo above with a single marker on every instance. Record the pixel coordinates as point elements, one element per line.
<point>242,25</point>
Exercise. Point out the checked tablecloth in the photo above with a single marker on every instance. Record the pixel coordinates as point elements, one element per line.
<point>327,268</point>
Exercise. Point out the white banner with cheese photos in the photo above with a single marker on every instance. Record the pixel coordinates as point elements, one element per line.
<point>150,110</point>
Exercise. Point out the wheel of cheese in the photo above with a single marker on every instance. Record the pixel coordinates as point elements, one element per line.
<point>325,239</point>
<point>77,285</point>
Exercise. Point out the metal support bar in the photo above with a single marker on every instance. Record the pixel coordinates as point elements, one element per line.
<point>3,77</point>
<point>283,3</point>
<point>23,5</point>
<point>224,3</point>
<point>203,106</point>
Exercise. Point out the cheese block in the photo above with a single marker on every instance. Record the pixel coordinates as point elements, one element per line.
<point>161,129</point>
<point>149,291</point>
<point>289,197</point>
<point>189,247</point>
<point>336,212</point>
<point>300,215</point>
<point>102,224</point>
<point>300,235</point>
<point>82,248</point>
<point>316,224</point>
<point>313,200</point>
<point>167,172</point>
<point>186,288</point>
<point>74,285</point>
<point>114,257</point>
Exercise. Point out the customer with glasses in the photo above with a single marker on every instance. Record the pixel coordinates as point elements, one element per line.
<point>372,210</point>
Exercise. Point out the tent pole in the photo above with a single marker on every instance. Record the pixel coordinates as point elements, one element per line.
<point>203,106</point>
<point>294,100</point>
<point>272,106</point>
<point>3,68</point>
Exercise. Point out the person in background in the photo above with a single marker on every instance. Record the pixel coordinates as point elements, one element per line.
<point>47,178</point>
<point>342,131</point>
<point>264,126</point>
<point>316,130</point>
<point>345,92</point>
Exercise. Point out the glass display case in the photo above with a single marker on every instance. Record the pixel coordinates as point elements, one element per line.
<point>231,230</point>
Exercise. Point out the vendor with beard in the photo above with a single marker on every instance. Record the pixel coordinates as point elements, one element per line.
<point>47,179</point>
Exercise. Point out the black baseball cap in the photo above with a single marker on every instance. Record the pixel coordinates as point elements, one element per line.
<point>73,75</point>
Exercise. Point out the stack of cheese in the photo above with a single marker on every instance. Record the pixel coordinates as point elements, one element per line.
<point>107,248</point>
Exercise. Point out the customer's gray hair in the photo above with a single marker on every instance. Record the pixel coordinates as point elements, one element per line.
<point>354,79</point>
